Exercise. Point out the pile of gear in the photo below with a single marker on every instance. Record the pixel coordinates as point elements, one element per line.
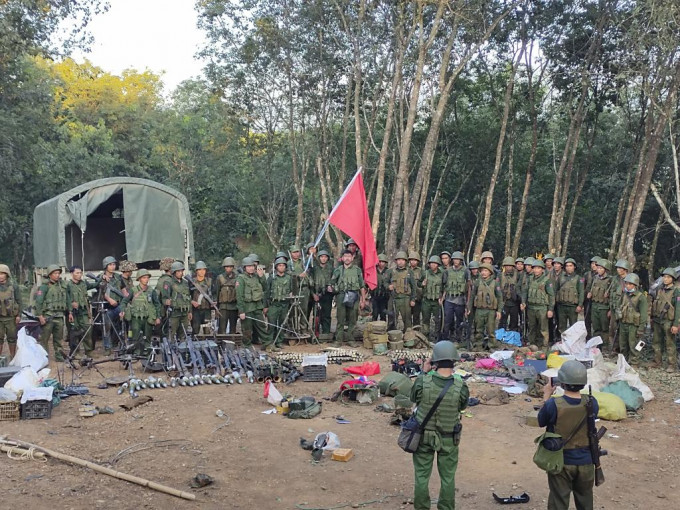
<point>335,355</point>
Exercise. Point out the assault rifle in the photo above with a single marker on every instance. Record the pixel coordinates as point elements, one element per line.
<point>196,358</point>
<point>205,296</point>
<point>594,436</point>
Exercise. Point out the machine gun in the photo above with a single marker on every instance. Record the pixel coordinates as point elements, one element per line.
<point>594,436</point>
<point>203,294</point>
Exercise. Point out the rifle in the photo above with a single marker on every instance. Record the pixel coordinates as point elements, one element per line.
<point>196,358</point>
<point>110,289</point>
<point>594,436</point>
<point>213,305</point>
<point>167,354</point>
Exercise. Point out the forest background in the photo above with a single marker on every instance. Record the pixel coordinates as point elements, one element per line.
<point>519,126</point>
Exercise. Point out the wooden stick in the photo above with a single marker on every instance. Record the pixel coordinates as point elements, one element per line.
<point>101,469</point>
<point>20,451</point>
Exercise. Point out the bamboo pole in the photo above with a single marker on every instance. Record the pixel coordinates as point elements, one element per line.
<point>101,469</point>
<point>20,451</point>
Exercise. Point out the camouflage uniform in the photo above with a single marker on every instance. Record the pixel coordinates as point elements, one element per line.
<point>202,313</point>
<point>142,307</point>
<point>176,295</point>
<point>432,285</point>
<point>80,315</point>
<point>250,299</point>
<point>51,300</point>
<point>225,290</point>
<point>404,292</point>
<point>321,277</point>
<point>486,300</point>
<point>540,299</point>
<point>279,290</point>
<point>345,280</point>
<point>418,279</point>
<point>665,311</point>
<point>569,296</point>
<point>10,311</point>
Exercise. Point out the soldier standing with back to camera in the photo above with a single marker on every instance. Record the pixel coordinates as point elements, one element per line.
<point>225,290</point>
<point>10,310</point>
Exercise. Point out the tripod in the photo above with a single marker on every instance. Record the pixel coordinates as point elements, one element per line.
<point>296,320</point>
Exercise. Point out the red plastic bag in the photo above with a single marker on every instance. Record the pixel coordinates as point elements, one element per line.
<point>367,368</point>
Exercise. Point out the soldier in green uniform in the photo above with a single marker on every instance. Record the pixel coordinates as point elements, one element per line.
<point>200,307</point>
<point>528,269</point>
<point>352,246</point>
<point>176,296</point>
<point>279,292</point>
<point>588,278</point>
<point>380,296</point>
<point>417,271</point>
<point>164,278</point>
<point>142,307</point>
<point>666,320</point>
<point>487,258</point>
<point>10,310</point>
<point>301,280</point>
<point>432,287</point>
<point>443,430</point>
<point>486,301</point>
<point>569,296</point>
<point>250,299</point>
<point>402,287</point>
<point>555,274</point>
<point>126,269</point>
<point>548,261</point>
<point>511,287</point>
<point>109,282</point>
<point>80,313</point>
<point>348,285</point>
<point>225,290</point>
<point>599,298</point>
<point>539,297</point>
<point>521,275</point>
<point>445,257</point>
<point>455,294</point>
<point>634,314</point>
<point>473,267</point>
<point>51,305</point>
<point>616,299</point>
<point>321,278</point>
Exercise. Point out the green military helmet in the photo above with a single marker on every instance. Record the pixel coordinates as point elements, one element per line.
<point>177,266</point>
<point>487,266</point>
<point>383,258</point>
<point>294,248</point>
<point>280,260</point>
<point>529,261</point>
<point>549,256</point>
<point>604,263</point>
<point>200,265</point>
<point>165,263</point>
<point>414,256</point>
<point>351,241</point>
<point>322,252</point>
<point>228,261</point>
<point>435,259</point>
<point>247,261</point>
<point>573,372</point>
<point>538,263</point>
<point>519,259</point>
<point>445,252</point>
<point>474,265</point>
<point>559,260</point>
<point>444,350</point>
<point>570,261</point>
<point>142,272</point>
<point>487,255</point>
<point>308,246</point>
<point>108,260</point>
<point>255,257</point>
<point>595,259</point>
<point>507,261</point>
<point>280,254</point>
<point>457,255</point>
<point>623,264</point>
<point>632,278</point>
<point>52,268</point>
<point>401,255</point>
<point>5,269</point>
<point>669,271</point>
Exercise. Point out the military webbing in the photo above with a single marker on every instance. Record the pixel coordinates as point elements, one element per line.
<point>8,305</point>
<point>400,278</point>
<point>568,418</point>
<point>568,289</point>
<point>485,295</point>
<point>663,305</point>
<point>630,313</point>
<point>227,286</point>
<point>600,289</point>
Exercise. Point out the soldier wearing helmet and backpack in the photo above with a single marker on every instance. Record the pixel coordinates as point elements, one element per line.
<point>633,320</point>
<point>225,290</point>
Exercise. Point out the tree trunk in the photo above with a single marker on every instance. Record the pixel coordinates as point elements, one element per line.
<point>655,241</point>
<point>508,217</point>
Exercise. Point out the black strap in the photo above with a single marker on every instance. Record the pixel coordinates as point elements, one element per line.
<point>432,410</point>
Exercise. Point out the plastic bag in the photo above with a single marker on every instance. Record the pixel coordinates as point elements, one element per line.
<point>7,395</point>
<point>626,373</point>
<point>24,379</point>
<point>29,352</point>
<point>327,441</point>
<point>610,406</point>
<point>272,394</point>
<point>368,368</point>
<point>632,397</point>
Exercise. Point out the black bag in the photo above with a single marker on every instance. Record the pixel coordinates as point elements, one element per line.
<point>351,297</point>
<point>412,431</point>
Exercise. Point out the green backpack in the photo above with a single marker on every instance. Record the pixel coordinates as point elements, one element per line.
<point>394,384</point>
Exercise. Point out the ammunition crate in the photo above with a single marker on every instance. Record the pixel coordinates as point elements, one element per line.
<point>36,410</point>
<point>314,373</point>
<point>9,411</point>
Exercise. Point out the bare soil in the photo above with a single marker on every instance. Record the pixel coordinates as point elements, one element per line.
<point>257,463</point>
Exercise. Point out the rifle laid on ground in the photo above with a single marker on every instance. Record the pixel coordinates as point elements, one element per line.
<point>594,436</point>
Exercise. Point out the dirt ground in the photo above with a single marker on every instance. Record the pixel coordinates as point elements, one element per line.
<point>256,460</point>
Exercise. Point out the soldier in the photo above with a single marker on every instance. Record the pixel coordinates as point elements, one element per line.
<point>402,287</point>
<point>633,318</point>
<point>539,297</point>
<point>225,290</point>
<point>569,296</point>
<point>528,269</point>
<point>616,297</point>
<point>445,257</point>
<point>380,296</point>
<point>176,296</point>
<point>321,278</point>
<point>10,310</point>
<point>80,313</point>
<point>555,274</point>
<point>548,261</point>
<point>588,278</point>
<point>301,280</point>
<point>352,246</point>
<point>312,260</point>
<point>441,434</point>
<point>414,261</point>
<point>474,270</point>
<point>142,307</point>
<point>521,275</point>
<point>348,284</point>
<point>665,320</point>
<point>566,416</point>
<point>487,258</point>
<point>455,292</point>
<point>51,304</point>
<point>432,288</point>
<point>279,292</point>
<point>110,285</point>
<point>250,299</point>
<point>126,269</point>
<point>200,307</point>
<point>486,301</point>
<point>599,297</point>
<point>511,288</point>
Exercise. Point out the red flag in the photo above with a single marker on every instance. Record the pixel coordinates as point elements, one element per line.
<point>350,215</point>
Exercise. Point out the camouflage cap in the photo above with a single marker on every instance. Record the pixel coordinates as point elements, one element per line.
<point>165,263</point>
<point>126,266</point>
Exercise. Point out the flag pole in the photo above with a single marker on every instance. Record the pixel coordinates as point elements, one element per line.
<point>328,219</point>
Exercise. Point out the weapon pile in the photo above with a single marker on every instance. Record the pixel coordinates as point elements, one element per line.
<point>335,355</point>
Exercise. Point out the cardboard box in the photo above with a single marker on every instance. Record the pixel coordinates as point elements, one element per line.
<point>342,454</point>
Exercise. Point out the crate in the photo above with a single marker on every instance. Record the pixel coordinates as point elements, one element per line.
<point>314,373</point>
<point>342,454</point>
<point>9,411</point>
<point>36,410</point>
